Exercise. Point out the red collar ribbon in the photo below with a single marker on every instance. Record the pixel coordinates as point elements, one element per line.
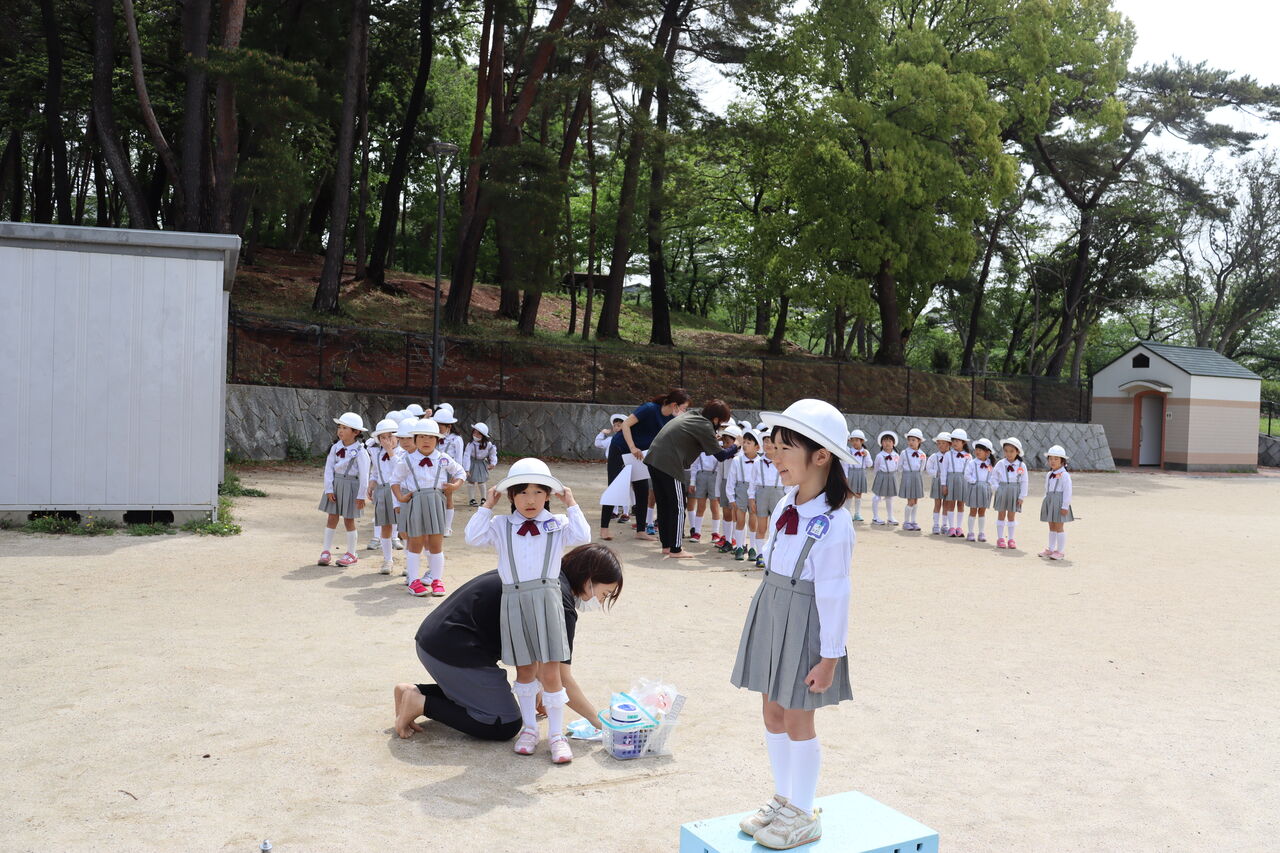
<point>342,453</point>
<point>529,528</point>
<point>789,522</point>
<point>426,460</point>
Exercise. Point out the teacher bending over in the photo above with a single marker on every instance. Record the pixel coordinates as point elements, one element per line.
<point>637,433</point>
<point>672,452</point>
<point>460,644</point>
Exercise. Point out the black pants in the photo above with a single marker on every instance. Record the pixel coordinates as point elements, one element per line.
<point>640,487</point>
<point>668,495</point>
<point>442,709</point>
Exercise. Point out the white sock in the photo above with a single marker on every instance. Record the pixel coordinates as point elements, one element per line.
<point>888,502</point>
<point>779,746</point>
<point>1000,528</point>
<point>386,550</point>
<point>741,539</point>
<point>982,525</point>
<point>806,761</point>
<point>435,566</point>
<point>695,523</point>
<point>937,519</point>
<point>1062,541</point>
<point>875,507</point>
<point>956,516</point>
<point>351,541</point>
<point>650,515</point>
<point>857,506</point>
<point>448,518</point>
<point>972,519</point>
<point>1053,541</point>
<point>328,538</point>
<point>395,531</point>
<point>554,703</point>
<point>527,699</point>
<point>1008,526</point>
<point>411,566</point>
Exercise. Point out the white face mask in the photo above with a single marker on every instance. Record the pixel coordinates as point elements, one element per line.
<point>591,604</point>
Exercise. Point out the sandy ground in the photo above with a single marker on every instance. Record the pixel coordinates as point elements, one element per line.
<point>187,693</point>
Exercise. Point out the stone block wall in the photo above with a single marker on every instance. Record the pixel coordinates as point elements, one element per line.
<point>1269,451</point>
<point>261,419</point>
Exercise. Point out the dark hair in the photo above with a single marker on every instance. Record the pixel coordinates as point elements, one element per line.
<point>512,491</point>
<point>1018,456</point>
<point>676,397</point>
<point>751,437</point>
<point>484,439</point>
<point>716,410</point>
<point>594,563</point>
<point>837,490</point>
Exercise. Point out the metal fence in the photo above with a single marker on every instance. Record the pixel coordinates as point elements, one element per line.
<point>1270,415</point>
<point>269,351</point>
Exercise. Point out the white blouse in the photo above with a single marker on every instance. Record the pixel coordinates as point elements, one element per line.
<point>743,470</point>
<point>861,458</point>
<point>767,475</point>
<point>955,461</point>
<point>1012,472</point>
<point>933,466</point>
<point>913,460</point>
<point>886,462</point>
<point>1059,481</point>
<point>474,451</point>
<point>568,531</point>
<point>411,475</point>
<point>451,444</point>
<point>979,471</point>
<point>384,464</point>
<point>828,564</point>
<point>347,460</point>
<point>703,464</point>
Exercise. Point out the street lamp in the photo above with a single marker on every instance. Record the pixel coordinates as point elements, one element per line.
<point>443,154</point>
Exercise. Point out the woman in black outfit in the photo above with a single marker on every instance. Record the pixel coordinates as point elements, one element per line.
<point>637,433</point>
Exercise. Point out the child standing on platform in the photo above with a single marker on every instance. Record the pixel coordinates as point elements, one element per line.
<point>420,483</point>
<point>792,648</point>
<point>885,485</point>
<point>977,474</point>
<point>1011,490</point>
<point>911,488</point>
<point>933,467</point>
<point>346,481</point>
<point>478,459</point>
<point>1055,508</point>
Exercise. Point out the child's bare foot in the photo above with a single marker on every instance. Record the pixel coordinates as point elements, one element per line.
<point>641,535</point>
<point>676,555</point>
<point>409,706</point>
<point>606,535</point>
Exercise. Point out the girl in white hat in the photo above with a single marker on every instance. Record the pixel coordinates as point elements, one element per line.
<point>856,469</point>
<point>769,492</point>
<point>933,467</point>
<point>1011,490</point>
<point>385,456</point>
<point>404,444</point>
<point>346,481</point>
<point>954,486</point>
<point>1055,508</point>
<point>792,648</point>
<point>530,542</point>
<point>885,485</point>
<point>479,458</point>
<point>421,480</point>
<point>911,488</point>
<point>978,473</point>
<point>451,446</point>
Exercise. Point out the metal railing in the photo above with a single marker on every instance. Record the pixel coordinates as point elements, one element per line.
<point>1270,412</point>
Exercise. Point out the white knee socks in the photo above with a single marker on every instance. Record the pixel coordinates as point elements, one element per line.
<point>386,550</point>
<point>695,523</point>
<point>888,502</point>
<point>982,525</point>
<point>351,541</point>
<point>875,507</point>
<point>328,538</point>
<point>1062,541</point>
<point>1009,526</point>
<point>650,515</point>
<point>554,703</point>
<point>435,566</point>
<point>412,566</point>
<point>448,519</point>
<point>527,699</point>
<point>972,519</point>
<point>779,746</point>
<point>806,762</point>
<point>937,519</point>
<point>857,506</point>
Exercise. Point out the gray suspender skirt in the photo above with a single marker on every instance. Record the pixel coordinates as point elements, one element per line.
<point>532,613</point>
<point>346,488</point>
<point>781,642</point>
<point>384,500</point>
<point>858,478</point>
<point>424,513</point>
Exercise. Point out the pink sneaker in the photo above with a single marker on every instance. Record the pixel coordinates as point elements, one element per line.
<point>1047,552</point>
<point>418,588</point>
<point>1057,555</point>
<point>325,558</point>
<point>437,588</point>
<point>560,751</point>
<point>348,559</point>
<point>970,538</point>
<point>1000,542</point>
<point>1011,544</point>
<point>527,742</point>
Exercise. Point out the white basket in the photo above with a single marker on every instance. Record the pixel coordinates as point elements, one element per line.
<point>625,741</point>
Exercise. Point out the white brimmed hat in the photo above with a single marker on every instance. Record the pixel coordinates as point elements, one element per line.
<point>915,433</point>
<point>385,425</point>
<point>1057,450</point>
<point>751,434</point>
<point>393,415</point>
<point>444,416</point>
<point>1014,443</point>
<point>761,427</point>
<point>482,428</point>
<point>414,409</point>
<point>983,442</point>
<point>350,419</point>
<point>731,430</point>
<point>959,433</point>
<point>857,433</point>
<point>890,433</point>
<point>617,417</point>
<point>426,426</point>
<point>530,470</point>
<point>816,420</point>
<point>405,429</point>
<point>942,436</point>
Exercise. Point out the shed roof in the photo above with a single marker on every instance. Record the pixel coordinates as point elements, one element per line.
<point>1195,361</point>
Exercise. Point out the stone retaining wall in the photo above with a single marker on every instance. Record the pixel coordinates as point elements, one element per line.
<point>1269,451</point>
<point>262,419</point>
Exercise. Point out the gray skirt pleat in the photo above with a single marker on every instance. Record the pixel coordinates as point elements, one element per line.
<point>479,472</point>
<point>767,498</point>
<point>704,485</point>
<point>532,623</point>
<point>1007,497</point>
<point>384,506</point>
<point>347,492</point>
<point>956,486</point>
<point>912,485</point>
<point>1051,509</point>
<point>858,480</point>
<point>424,514</point>
<point>780,644</point>
<point>886,485</point>
<point>978,495</point>
<point>740,496</point>
<point>935,487</point>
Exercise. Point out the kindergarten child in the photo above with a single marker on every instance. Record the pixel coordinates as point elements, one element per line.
<point>792,648</point>
<point>885,485</point>
<point>933,467</point>
<point>478,459</point>
<point>385,457</point>
<point>451,446</point>
<point>603,438</point>
<point>421,480</point>
<point>741,485</point>
<point>953,483</point>
<point>346,481</point>
<point>856,469</point>
<point>530,542</point>
<point>977,474</point>
<point>911,487</point>
<point>1011,481</point>
<point>702,489</point>
<point>1055,508</point>
<point>769,492</point>
<point>729,436</point>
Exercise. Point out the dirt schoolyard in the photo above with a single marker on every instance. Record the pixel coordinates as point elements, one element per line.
<point>198,693</point>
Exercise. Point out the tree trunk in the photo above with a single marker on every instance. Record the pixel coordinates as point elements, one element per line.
<point>362,193</point>
<point>890,350</point>
<point>17,201</point>
<point>101,211</point>
<point>191,188</point>
<point>53,113</point>
<point>405,144</point>
<point>227,151</point>
<point>572,262</point>
<point>660,329</point>
<point>8,160</point>
<point>331,275</point>
<point>780,326</point>
<point>592,261</point>
<point>979,290</point>
<point>163,149</point>
<point>1071,298</point>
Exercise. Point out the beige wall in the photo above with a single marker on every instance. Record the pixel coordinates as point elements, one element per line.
<point>1115,414</point>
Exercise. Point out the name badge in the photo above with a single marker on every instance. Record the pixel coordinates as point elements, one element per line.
<point>551,525</point>
<point>818,527</point>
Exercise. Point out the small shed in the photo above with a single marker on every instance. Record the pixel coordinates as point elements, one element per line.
<point>113,363</point>
<point>1182,408</point>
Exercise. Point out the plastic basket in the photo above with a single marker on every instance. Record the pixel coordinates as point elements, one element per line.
<point>627,740</point>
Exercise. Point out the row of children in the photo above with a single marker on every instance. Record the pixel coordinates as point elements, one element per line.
<point>408,469</point>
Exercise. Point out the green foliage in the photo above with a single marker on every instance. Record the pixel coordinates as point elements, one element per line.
<point>221,525</point>
<point>57,523</point>
<point>296,449</point>
<point>155,528</point>
<point>231,487</point>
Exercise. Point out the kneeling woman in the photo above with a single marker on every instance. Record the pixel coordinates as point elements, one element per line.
<point>460,644</point>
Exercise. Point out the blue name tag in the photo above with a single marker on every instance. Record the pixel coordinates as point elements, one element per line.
<point>550,526</point>
<point>818,527</point>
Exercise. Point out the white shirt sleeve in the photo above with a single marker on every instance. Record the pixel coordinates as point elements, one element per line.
<point>832,586</point>
<point>493,455</point>
<point>971,471</point>
<point>468,453</point>
<point>931,465</point>
<point>696,468</point>
<point>363,461</point>
<point>1024,479</point>
<point>453,470</point>
<point>328,471</point>
<point>602,440</point>
<point>577,531</point>
<point>1066,489</point>
<point>731,478</point>
<point>481,530</point>
<point>400,473</point>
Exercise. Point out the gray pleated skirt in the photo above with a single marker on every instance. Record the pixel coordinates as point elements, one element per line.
<point>424,514</point>
<point>1051,509</point>
<point>912,485</point>
<point>935,487</point>
<point>780,644</point>
<point>704,485</point>
<point>978,495</point>
<point>956,491</point>
<point>1007,497</point>
<point>532,623</point>
<point>384,506</point>
<point>767,498</point>
<point>886,485</point>
<point>858,480</point>
<point>479,472</point>
<point>347,492</point>
<point>740,496</point>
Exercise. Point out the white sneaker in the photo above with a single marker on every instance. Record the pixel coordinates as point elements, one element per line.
<point>448,532</point>
<point>387,568</point>
<point>790,828</point>
<point>397,544</point>
<point>373,545</point>
<point>751,824</point>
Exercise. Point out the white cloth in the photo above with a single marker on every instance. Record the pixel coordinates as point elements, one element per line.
<point>569,530</point>
<point>913,460</point>
<point>451,444</point>
<point>603,439</point>
<point>979,471</point>
<point>827,565</point>
<point>354,462</point>
<point>954,462</point>
<point>933,465</point>
<point>1012,472</point>
<point>743,470</point>
<point>381,470</point>
<point>473,450</point>
<point>442,470</point>
<point>767,475</point>
<point>1059,481</point>
<point>862,458</point>
<point>887,462</point>
<point>704,462</point>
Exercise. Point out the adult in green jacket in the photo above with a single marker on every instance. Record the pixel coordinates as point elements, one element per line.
<point>680,442</point>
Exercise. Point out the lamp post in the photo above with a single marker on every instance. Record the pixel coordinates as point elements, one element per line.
<point>443,153</point>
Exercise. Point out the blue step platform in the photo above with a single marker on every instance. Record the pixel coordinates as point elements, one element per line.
<point>851,823</point>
